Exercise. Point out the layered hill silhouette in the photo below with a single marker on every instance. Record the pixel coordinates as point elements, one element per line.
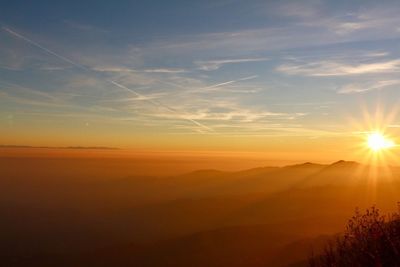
<point>68,213</point>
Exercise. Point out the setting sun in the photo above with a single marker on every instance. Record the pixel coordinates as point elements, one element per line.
<point>376,141</point>
<point>135,133</point>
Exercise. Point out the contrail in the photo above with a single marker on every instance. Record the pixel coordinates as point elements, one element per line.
<point>230,82</point>
<point>121,86</point>
<point>43,48</point>
<point>157,103</point>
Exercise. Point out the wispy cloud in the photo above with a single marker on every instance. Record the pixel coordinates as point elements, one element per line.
<point>377,54</point>
<point>314,14</point>
<point>229,111</point>
<point>168,80</point>
<point>214,86</point>
<point>137,98</point>
<point>120,69</point>
<point>27,94</point>
<point>84,27</point>
<point>335,68</point>
<point>164,70</point>
<point>305,24</point>
<point>366,86</point>
<point>236,89</point>
<point>301,10</point>
<point>115,83</point>
<point>210,65</point>
<point>240,115</point>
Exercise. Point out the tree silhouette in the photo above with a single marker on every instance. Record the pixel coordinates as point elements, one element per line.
<point>370,239</point>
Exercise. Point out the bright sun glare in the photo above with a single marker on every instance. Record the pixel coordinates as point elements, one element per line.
<point>376,141</point>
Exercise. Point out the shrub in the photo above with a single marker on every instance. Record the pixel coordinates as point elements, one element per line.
<point>370,239</point>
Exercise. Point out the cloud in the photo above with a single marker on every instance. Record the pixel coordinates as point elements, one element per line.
<point>377,54</point>
<point>120,69</point>
<point>106,80</point>
<point>242,115</point>
<point>246,89</point>
<point>364,87</point>
<point>298,25</point>
<point>368,19</point>
<point>335,68</point>
<point>303,10</point>
<point>188,86</point>
<point>212,87</point>
<point>112,69</point>
<point>216,64</point>
<point>15,90</point>
<point>226,111</point>
<point>137,98</point>
<point>348,27</point>
<point>185,89</point>
<point>84,27</point>
<point>164,70</point>
<point>14,57</point>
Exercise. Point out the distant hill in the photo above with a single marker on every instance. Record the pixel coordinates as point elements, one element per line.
<point>241,246</point>
<point>87,211</point>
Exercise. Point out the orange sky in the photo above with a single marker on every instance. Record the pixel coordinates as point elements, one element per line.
<point>278,86</point>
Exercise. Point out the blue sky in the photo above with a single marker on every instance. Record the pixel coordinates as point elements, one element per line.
<point>296,69</point>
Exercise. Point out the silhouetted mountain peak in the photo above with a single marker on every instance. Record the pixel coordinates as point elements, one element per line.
<point>306,165</point>
<point>345,163</point>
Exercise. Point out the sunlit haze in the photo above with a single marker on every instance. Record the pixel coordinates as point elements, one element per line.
<point>212,133</point>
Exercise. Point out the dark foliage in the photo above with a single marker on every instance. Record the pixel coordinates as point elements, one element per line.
<point>369,240</point>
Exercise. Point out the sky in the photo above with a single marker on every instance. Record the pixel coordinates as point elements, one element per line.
<point>292,78</point>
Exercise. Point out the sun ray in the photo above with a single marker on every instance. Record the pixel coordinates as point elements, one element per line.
<point>377,141</point>
<point>376,146</point>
